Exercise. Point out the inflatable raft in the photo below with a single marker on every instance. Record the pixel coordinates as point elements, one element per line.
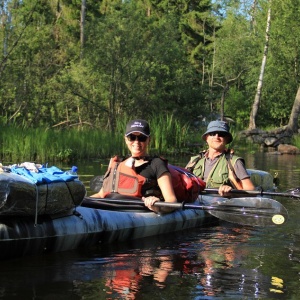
<point>45,217</point>
<point>21,236</point>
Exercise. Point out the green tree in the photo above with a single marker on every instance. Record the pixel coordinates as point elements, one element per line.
<point>39,48</point>
<point>135,65</point>
<point>283,77</point>
<point>254,111</point>
<point>236,49</point>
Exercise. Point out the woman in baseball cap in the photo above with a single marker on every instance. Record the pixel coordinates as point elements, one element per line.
<point>139,173</point>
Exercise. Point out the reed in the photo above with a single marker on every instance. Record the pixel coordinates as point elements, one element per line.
<point>20,144</point>
<point>168,135</point>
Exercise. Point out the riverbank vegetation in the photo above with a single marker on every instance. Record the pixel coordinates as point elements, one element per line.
<point>80,68</point>
<point>169,137</point>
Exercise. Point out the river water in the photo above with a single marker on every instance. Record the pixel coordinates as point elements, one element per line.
<point>224,261</point>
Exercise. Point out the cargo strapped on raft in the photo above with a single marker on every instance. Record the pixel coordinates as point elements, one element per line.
<point>186,185</point>
<point>31,190</point>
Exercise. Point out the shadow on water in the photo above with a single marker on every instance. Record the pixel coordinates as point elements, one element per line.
<point>225,261</point>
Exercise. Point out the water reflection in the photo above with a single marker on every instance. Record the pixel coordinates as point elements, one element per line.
<point>204,266</point>
<point>222,261</point>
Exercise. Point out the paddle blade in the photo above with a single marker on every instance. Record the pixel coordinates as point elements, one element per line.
<point>294,193</point>
<point>96,183</point>
<point>255,211</point>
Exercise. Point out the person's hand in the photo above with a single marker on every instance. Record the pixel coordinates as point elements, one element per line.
<point>224,190</point>
<point>149,202</point>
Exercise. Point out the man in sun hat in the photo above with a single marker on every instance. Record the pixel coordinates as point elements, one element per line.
<point>220,127</point>
<point>217,165</point>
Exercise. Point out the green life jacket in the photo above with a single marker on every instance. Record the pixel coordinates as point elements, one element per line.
<point>219,174</point>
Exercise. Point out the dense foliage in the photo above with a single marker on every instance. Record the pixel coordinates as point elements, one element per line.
<point>90,63</point>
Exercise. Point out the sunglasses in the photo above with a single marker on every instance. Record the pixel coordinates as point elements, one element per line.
<point>132,137</point>
<point>219,133</point>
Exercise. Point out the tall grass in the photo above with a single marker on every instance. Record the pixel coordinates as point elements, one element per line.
<point>49,145</point>
<point>169,136</point>
<point>40,144</point>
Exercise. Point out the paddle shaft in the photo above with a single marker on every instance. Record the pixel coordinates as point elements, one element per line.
<point>252,193</point>
<point>251,211</point>
<point>183,205</point>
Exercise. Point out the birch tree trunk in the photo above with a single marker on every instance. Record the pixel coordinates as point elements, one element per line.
<point>253,114</point>
<point>82,24</point>
<point>293,121</point>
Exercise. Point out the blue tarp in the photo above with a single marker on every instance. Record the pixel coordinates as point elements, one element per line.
<point>44,175</point>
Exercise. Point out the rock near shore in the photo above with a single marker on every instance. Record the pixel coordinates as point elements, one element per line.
<point>277,140</point>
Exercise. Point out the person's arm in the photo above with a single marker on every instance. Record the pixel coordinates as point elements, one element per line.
<point>242,174</point>
<point>166,187</point>
<point>247,184</point>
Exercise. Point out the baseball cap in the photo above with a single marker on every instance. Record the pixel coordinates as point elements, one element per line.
<point>138,125</point>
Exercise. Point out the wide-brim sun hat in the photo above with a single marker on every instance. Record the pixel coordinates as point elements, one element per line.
<point>138,125</point>
<point>220,126</point>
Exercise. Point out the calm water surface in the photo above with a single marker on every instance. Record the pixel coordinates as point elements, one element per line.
<point>226,261</point>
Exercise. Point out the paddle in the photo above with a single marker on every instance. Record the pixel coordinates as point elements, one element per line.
<point>96,183</point>
<point>253,211</point>
<point>293,193</point>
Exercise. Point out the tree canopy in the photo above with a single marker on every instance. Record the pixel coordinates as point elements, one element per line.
<point>90,62</point>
